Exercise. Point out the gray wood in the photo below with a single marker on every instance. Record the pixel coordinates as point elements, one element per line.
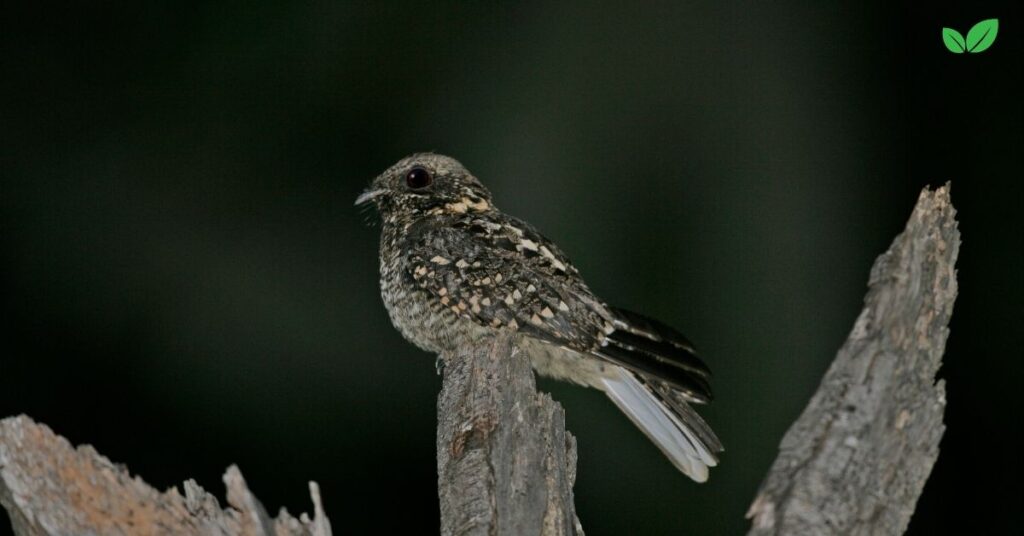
<point>50,488</point>
<point>505,463</point>
<point>857,459</point>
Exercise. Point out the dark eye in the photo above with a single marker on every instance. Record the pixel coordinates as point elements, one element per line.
<point>418,178</point>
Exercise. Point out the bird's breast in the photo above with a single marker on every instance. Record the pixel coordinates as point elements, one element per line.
<point>419,316</point>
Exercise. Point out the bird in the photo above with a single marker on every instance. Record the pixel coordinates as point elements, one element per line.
<point>455,269</point>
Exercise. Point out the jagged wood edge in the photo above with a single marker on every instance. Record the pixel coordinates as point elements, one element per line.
<point>50,488</point>
<point>856,460</point>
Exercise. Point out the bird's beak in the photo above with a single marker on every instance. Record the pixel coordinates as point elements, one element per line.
<point>368,195</point>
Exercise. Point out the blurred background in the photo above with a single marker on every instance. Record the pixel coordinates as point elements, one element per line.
<point>187,284</point>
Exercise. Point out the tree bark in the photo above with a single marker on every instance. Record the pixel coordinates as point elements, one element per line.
<point>505,463</point>
<point>52,489</point>
<point>857,459</point>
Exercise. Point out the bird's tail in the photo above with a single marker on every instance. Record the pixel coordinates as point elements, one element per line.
<point>668,421</point>
<point>659,375</point>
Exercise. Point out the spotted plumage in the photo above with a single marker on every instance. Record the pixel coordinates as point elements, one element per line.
<point>455,268</point>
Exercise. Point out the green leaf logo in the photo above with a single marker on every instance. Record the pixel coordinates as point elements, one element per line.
<point>953,41</point>
<point>979,38</point>
<point>982,35</point>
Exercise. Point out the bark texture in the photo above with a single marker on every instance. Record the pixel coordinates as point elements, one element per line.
<point>858,457</point>
<point>50,488</point>
<point>505,463</point>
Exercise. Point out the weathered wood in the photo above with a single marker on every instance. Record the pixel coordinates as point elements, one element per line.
<point>50,488</point>
<point>505,463</point>
<point>857,459</point>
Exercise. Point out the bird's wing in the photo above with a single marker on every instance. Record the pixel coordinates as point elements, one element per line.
<point>504,273</point>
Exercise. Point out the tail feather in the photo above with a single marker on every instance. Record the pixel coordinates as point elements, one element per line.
<point>674,427</point>
<point>654,350</point>
<point>651,328</point>
<point>647,364</point>
<point>677,401</point>
<point>659,375</point>
<point>664,351</point>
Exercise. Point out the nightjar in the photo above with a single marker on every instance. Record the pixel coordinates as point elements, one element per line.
<point>454,268</point>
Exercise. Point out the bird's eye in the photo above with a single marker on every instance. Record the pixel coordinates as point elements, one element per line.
<point>418,178</point>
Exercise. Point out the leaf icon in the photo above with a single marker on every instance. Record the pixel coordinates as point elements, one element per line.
<point>954,41</point>
<point>982,35</point>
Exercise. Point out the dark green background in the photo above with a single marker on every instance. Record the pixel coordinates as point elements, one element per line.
<point>187,284</point>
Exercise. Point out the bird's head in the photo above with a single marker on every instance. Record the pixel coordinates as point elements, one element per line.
<point>425,184</point>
